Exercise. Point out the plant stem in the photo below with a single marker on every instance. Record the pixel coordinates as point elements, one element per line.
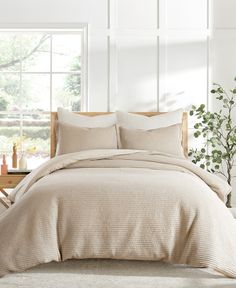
<point>229,169</point>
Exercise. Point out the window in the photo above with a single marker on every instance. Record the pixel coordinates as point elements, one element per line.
<point>40,70</point>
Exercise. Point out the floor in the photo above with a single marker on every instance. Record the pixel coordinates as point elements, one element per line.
<point>114,274</point>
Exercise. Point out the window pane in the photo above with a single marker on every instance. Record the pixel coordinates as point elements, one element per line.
<point>9,132</point>
<point>35,92</point>
<point>66,53</point>
<point>66,91</point>
<point>36,138</point>
<point>10,92</point>
<point>36,52</point>
<point>25,91</point>
<point>9,51</point>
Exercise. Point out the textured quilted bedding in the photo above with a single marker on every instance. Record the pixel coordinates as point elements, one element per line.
<point>119,204</point>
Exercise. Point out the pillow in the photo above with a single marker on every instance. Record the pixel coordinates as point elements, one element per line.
<point>73,139</point>
<point>135,121</point>
<point>71,118</point>
<point>166,140</point>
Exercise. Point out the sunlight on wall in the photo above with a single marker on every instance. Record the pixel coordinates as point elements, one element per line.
<point>183,72</point>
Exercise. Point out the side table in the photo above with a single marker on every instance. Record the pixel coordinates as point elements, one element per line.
<point>9,181</point>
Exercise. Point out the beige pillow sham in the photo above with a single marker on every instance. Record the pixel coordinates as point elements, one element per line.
<point>166,140</point>
<point>73,139</point>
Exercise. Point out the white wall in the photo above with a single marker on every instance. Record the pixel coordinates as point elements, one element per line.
<point>145,55</point>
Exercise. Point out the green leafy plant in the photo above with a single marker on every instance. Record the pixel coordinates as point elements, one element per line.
<point>219,133</point>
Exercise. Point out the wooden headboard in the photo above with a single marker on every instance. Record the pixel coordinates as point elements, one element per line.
<point>149,114</point>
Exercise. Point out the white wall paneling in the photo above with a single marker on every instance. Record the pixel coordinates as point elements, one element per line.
<point>180,57</point>
<point>137,74</point>
<point>223,47</point>
<point>183,71</point>
<point>184,14</point>
<point>98,72</point>
<point>65,11</point>
<point>223,14</point>
<point>223,60</point>
<point>135,14</point>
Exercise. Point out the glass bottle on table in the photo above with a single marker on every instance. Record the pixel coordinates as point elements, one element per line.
<point>23,162</point>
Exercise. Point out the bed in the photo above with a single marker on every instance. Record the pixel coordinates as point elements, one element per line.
<point>127,204</point>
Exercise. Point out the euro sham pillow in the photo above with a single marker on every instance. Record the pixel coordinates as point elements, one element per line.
<point>165,140</point>
<point>73,139</point>
<point>65,116</point>
<point>136,121</point>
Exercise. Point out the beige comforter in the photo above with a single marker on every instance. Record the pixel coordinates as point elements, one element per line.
<point>119,204</point>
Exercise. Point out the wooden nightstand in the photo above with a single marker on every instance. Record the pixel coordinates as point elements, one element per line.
<point>8,181</point>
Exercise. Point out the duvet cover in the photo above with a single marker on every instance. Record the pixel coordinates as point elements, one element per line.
<point>119,204</point>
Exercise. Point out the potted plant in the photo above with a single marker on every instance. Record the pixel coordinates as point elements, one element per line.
<point>218,152</point>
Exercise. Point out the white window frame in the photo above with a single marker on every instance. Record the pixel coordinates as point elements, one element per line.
<point>58,28</point>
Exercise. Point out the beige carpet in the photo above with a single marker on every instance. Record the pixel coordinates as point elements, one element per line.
<point>114,274</point>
